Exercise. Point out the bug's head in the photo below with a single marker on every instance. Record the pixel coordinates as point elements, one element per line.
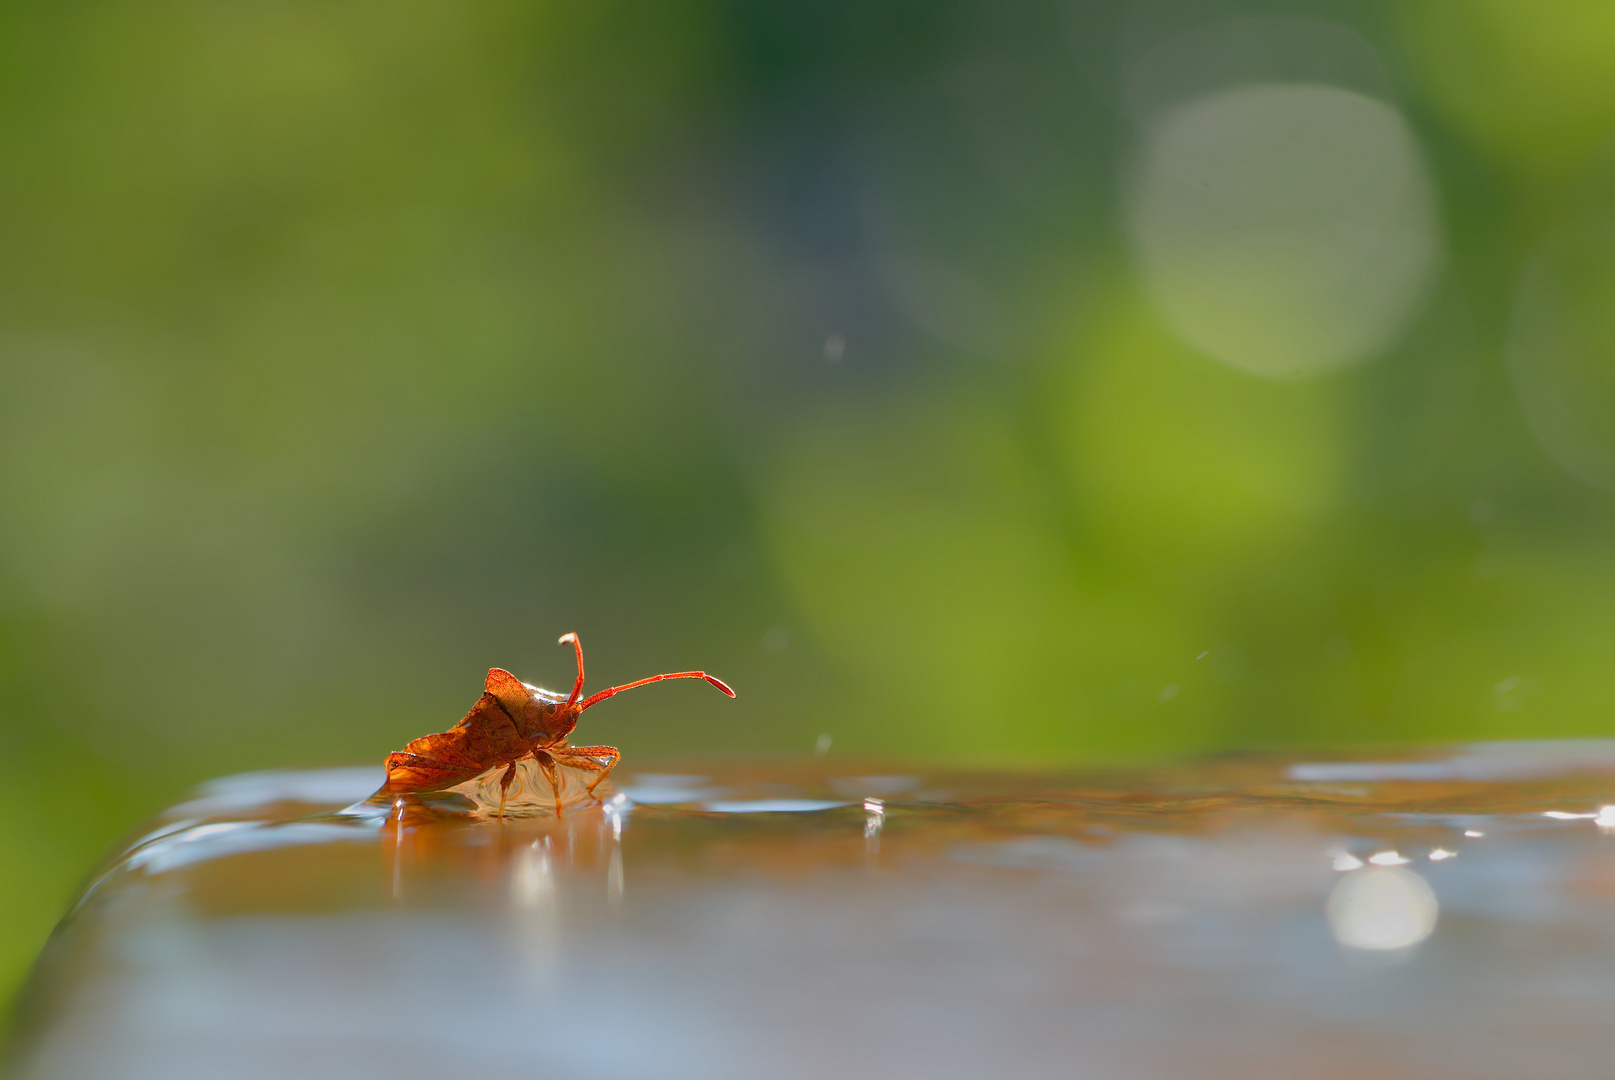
<point>537,713</point>
<point>556,714</point>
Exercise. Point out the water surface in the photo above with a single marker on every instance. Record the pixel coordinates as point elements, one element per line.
<point>1447,914</point>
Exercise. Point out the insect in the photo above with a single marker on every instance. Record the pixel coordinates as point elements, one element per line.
<point>512,721</point>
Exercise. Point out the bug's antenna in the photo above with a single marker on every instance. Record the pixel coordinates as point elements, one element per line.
<point>595,699</point>
<point>577,687</point>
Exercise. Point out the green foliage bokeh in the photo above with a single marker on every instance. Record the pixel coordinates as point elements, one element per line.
<point>347,349</point>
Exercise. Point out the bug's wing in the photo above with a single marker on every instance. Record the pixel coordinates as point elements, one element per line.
<point>485,728</point>
<point>483,738</point>
<point>417,772</point>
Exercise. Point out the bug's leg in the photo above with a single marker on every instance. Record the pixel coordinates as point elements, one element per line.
<point>584,758</point>
<point>587,765</point>
<point>547,763</point>
<point>504,787</point>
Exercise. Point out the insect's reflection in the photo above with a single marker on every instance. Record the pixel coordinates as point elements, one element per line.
<point>526,865</point>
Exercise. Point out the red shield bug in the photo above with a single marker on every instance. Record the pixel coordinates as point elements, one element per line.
<point>512,721</point>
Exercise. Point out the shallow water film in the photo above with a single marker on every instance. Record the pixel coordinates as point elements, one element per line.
<point>1449,914</point>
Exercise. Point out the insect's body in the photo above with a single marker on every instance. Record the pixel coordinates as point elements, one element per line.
<point>511,721</point>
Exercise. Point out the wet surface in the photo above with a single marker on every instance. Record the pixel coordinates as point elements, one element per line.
<point>1446,914</point>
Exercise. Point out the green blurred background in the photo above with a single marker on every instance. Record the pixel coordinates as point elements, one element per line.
<point>1040,382</point>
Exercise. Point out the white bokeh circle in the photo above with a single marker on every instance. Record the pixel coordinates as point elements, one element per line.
<point>1284,228</point>
<point>1381,908</point>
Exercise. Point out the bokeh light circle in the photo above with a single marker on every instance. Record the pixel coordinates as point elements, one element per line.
<point>1382,908</point>
<point>1285,228</point>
